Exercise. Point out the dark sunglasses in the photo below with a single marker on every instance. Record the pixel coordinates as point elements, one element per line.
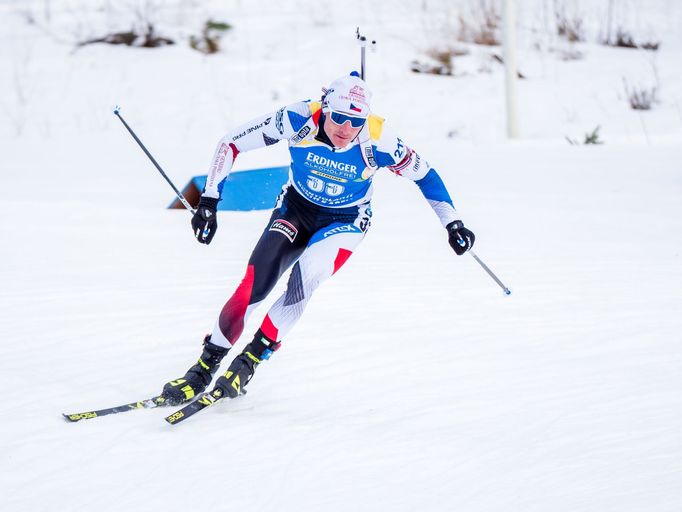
<point>339,118</point>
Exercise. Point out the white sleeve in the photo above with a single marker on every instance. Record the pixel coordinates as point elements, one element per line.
<point>258,133</point>
<point>404,161</point>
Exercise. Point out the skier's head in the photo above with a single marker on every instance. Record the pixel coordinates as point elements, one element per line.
<point>345,105</point>
<point>348,95</point>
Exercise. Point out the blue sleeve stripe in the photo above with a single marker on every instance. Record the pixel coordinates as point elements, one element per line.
<point>433,188</point>
<point>383,159</point>
<point>297,121</point>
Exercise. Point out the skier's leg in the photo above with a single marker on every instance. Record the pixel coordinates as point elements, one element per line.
<point>273,255</point>
<point>279,246</point>
<point>242,367</point>
<point>197,377</point>
<point>327,251</point>
<point>323,257</point>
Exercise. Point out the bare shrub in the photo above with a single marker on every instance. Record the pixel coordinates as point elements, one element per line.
<point>142,36</point>
<point>650,45</point>
<point>624,39</point>
<point>447,53</point>
<point>209,40</point>
<point>482,26</point>
<point>641,98</point>
<point>417,66</point>
<point>441,60</point>
<point>569,27</point>
<point>143,32</point>
<point>589,138</point>
<point>593,138</point>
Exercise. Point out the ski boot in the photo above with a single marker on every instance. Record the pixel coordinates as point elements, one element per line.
<point>197,378</point>
<point>242,368</point>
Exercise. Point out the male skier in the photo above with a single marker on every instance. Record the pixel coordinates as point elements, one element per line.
<point>321,216</point>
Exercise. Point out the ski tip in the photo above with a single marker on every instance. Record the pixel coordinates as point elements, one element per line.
<point>73,418</point>
<point>204,400</point>
<point>175,417</point>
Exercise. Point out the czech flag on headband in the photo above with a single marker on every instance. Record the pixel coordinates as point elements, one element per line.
<point>354,108</point>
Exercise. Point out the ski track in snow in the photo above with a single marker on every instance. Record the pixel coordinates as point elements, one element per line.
<point>411,382</point>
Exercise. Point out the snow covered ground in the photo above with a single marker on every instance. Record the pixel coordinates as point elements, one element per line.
<point>411,383</point>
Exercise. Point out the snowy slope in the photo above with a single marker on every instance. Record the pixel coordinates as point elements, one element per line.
<point>411,383</point>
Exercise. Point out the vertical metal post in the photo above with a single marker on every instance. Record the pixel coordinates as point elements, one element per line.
<point>510,68</point>
<point>362,40</point>
<point>362,62</point>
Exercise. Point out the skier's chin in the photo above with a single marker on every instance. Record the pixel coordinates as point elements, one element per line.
<point>341,142</point>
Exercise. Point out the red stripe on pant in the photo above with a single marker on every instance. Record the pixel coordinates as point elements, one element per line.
<point>231,319</point>
<point>269,328</point>
<point>341,258</point>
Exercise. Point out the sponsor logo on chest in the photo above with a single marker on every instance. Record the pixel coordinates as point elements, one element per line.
<point>327,164</point>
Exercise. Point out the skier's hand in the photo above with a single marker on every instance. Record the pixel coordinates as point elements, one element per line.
<point>204,221</point>
<point>461,239</point>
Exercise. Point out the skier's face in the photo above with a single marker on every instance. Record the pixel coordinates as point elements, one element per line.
<point>340,134</point>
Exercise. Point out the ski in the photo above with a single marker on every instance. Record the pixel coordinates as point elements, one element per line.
<point>205,400</point>
<point>157,401</point>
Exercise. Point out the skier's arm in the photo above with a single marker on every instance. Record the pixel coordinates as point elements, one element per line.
<point>400,159</point>
<point>404,161</point>
<point>258,133</point>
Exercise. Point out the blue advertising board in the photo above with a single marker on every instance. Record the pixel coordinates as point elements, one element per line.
<point>254,189</point>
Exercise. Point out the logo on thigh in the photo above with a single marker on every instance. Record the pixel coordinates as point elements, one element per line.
<point>344,228</point>
<point>284,227</point>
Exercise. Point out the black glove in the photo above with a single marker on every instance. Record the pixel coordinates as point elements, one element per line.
<point>460,238</point>
<point>204,221</point>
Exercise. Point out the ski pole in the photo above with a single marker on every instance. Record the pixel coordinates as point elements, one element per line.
<point>117,112</point>
<point>506,290</point>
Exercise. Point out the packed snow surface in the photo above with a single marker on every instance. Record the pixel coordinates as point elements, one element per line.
<point>411,383</point>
